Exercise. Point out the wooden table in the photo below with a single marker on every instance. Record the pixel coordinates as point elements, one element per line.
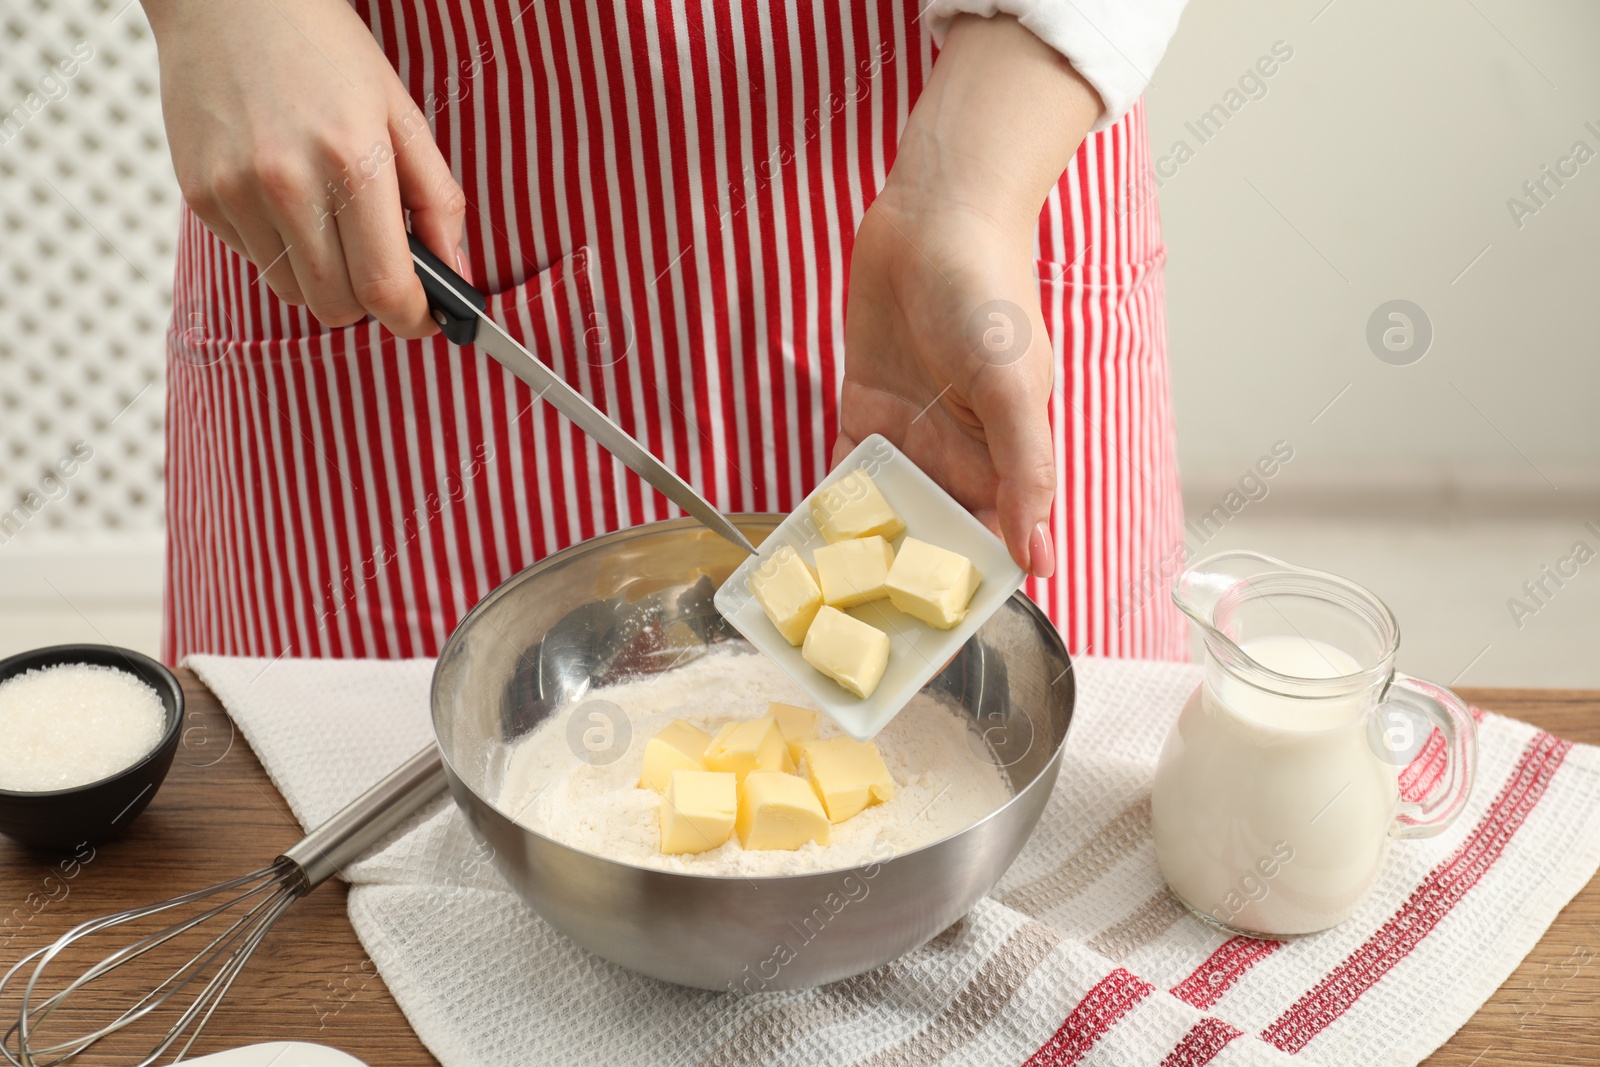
<point>218,816</point>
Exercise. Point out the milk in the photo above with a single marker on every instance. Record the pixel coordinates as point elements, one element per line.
<point>1270,812</point>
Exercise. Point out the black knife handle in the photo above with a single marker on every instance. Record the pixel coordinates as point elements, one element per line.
<point>457,316</point>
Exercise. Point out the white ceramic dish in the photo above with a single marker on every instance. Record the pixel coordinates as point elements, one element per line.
<point>917,651</point>
<point>280,1054</point>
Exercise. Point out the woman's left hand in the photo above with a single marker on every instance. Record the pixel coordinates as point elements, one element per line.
<point>946,353</point>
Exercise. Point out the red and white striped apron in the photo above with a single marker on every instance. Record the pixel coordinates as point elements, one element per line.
<point>663,196</point>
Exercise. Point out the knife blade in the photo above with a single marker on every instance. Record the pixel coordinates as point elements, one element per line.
<point>461,312</point>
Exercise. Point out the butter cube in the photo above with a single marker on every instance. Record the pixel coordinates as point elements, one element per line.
<point>698,811</point>
<point>747,745</point>
<point>787,591</point>
<point>797,725</point>
<point>779,811</point>
<point>854,507</point>
<point>680,746</point>
<point>932,583</point>
<point>853,572</point>
<point>848,775</point>
<point>849,651</point>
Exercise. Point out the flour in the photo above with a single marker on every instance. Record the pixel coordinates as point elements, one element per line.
<point>945,779</point>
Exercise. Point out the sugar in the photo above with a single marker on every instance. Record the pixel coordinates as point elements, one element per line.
<point>73,724</point>
<point>945,777</point>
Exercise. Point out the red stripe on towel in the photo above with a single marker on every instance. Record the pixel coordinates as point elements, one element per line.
<point>1099,1010</point>
<point>1422,774</point>
<point>1444,887</point>
<point>1201,1044</point>
<point>1222,969</point>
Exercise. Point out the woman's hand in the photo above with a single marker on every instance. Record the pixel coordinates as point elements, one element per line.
<point>946,355</point>
<point>945,347</point>
<point>296,143</point>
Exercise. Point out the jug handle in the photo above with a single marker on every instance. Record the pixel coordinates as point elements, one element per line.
<point>1435,812</point>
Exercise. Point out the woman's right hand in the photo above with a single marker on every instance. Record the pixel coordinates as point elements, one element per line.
<point>297,144</point>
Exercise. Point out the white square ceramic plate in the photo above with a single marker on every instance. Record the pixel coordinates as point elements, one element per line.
<point>917,651</point>
<point>279,1054</point>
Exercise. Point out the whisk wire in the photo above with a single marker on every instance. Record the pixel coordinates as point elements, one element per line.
<point>160,937</point>
<point>197,965</point>
<point>231,971</point>
<point>264,895</point>
<point>278,886</point>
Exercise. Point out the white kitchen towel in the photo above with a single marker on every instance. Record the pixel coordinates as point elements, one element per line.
<point>1078,956</point>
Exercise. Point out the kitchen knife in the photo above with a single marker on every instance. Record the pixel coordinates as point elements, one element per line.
<point>459,309</point>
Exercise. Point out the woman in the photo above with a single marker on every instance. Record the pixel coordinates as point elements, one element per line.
<point>753,233</point>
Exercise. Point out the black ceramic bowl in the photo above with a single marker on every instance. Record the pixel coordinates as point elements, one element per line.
<point>62,819</point>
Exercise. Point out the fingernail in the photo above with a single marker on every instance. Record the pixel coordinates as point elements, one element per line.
<point>1041,553</point>
<point>461,265</point>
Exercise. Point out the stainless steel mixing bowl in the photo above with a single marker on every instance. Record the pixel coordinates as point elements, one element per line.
<point>638,602</point>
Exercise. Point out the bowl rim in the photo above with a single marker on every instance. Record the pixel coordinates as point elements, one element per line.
<point>572,551</point>
<point>63,655</point>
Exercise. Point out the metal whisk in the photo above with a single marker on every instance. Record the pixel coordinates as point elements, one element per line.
<point>256,900</point>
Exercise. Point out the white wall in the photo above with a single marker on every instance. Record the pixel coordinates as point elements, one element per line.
<point>1377,165</point>
<point>88,221</point>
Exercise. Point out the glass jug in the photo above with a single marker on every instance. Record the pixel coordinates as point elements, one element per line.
<point>1277,791</point>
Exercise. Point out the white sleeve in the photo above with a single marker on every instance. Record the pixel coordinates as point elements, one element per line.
<point>1114,44</point>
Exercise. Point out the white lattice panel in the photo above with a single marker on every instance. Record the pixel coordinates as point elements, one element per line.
<point>88,217</point>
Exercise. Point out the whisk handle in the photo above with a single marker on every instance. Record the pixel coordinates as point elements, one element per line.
<point>365,820</point>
